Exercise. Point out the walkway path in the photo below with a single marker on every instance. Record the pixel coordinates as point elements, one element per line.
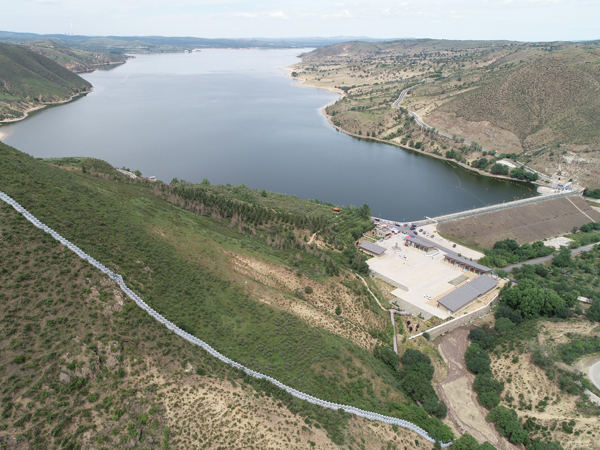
<point>194,340</point>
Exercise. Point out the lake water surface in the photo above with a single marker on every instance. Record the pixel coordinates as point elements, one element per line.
<point>232,116</point>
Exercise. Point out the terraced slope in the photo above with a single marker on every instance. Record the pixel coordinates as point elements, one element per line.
<point>548,101</point>
<point>75,60</point>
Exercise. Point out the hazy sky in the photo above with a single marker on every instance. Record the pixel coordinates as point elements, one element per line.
<point>533,20</point>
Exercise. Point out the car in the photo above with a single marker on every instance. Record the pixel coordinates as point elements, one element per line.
<point>421,229</point>
<point>454,246</point>
<point>416,234</point>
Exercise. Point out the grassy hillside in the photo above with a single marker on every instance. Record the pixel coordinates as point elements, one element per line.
<point>184,265</point>
<point>28,79</point>
<point>83,367</point>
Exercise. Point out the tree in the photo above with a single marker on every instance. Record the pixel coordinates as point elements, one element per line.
<point>594,312</point>
<point>465,442</point>
<point>563,259</point>
<point>507,422</point>
<point>504,325</point>
<point>499,169</point>
<point>138,173</point>
<point>531,300</point>
<point>478,361</point>
<point>338,310</point>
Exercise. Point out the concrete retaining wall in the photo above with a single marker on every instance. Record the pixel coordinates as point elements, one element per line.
<point>194,340</point>
<point>446,327</point>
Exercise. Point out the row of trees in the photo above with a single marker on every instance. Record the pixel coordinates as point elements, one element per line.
<point>415,372</point>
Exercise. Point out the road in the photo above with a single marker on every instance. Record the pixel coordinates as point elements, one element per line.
<point>575,251</point>
<point>414,115</point>
<point>483,209</point>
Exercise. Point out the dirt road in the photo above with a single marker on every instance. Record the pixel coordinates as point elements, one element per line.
<point>457,391</point>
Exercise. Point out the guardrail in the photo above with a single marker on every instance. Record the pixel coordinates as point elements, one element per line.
<point>194,340</point>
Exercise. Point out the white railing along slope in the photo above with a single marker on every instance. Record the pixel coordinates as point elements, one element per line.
<point>194,340</point>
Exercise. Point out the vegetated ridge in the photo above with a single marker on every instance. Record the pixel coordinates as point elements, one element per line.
<point>29,80</point>
<point>531,101</point>
<point>83,367</point>
<point>183,263</point>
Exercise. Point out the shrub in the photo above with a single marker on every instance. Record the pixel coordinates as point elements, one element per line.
<point>507,423</point>
<point>478,361</point>
<point>308,289</point>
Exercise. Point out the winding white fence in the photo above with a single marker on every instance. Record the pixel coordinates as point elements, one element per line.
<point>194,340</point>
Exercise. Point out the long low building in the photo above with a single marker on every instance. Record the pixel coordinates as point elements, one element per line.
<point>372,249</point>
<point>424,245</point>
<point>467,293</point>
<point>466,264</point>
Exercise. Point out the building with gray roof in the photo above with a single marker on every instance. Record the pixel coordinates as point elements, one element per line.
<point>465,263</point>
<point>467,293</point>
<point>372,249</point>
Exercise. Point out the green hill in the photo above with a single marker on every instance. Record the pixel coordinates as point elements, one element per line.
<point>28,80</point>
<point>178,246</point>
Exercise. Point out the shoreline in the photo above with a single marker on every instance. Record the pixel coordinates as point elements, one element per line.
<point>303,83</point>
<point>42,106</point>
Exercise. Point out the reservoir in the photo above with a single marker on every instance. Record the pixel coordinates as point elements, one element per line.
<point>232,116</point>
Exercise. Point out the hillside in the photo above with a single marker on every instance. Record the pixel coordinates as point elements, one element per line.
<point>82,367</point>
<point>534,101</point>
<point>213,260</point>
<point>29,80</point>
<point>76,60</point>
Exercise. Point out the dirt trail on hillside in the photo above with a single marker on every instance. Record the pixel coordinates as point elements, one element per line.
<point>457,391</point>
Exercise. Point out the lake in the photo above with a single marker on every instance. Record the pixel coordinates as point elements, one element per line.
<point>232,116</point>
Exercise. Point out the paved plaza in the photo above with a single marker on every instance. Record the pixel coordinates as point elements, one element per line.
<point>417,275</point>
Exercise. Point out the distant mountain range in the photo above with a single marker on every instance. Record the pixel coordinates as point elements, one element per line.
<point>163,43</point>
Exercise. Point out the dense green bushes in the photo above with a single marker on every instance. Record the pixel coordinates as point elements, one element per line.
<point>522,174</point>
<point>508,424</point>
<point>488,390</point>
<point>509,251</point>
<point>416,373</point>
<point>468,442</point>
<point>530,299</point>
